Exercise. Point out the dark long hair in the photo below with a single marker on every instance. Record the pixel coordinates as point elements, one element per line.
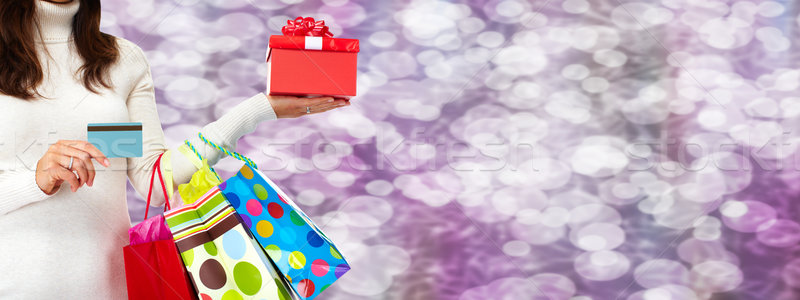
<point>20,69</point>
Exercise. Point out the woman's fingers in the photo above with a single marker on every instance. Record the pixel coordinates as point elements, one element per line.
<point>328,108</point>
<point>329,105</point>
<point>94,152</point>
<point>82,167</point>
<point>81,162</point>
<point>62,174</point>
<point>311,102</point>
<point>335,102</point>
<point>85,164</point>
<point>88,148</point>
<point>81,159</point>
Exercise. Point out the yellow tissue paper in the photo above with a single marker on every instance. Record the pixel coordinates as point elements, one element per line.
<point>202,181</point>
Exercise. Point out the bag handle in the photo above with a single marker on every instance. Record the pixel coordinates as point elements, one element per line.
<point>157,168</point>
<point>198,162</point>
<point>234,154</point>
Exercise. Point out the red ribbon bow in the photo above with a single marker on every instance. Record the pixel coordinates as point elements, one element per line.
<point>306,27</point>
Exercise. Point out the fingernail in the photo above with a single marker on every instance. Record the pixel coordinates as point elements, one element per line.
<point>330,100</point>
<point>106,162</point>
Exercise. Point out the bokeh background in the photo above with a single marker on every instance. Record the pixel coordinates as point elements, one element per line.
<point>511,149</point>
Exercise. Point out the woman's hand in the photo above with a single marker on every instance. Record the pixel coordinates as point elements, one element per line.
<point>54,167</point>
<point>293,107</point>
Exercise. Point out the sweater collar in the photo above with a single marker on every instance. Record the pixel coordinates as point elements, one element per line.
<point>55,20</point>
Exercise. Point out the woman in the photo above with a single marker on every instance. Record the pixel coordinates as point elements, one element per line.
<point>58,73</point>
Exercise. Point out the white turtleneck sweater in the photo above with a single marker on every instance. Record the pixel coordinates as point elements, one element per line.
<point>69,245</point>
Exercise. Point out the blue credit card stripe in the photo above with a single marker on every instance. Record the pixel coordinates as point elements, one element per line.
<point>115,129</point>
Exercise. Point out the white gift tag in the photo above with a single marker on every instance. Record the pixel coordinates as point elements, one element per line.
<point>313,43</point>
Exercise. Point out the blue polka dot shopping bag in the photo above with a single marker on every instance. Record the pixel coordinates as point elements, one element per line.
<point>301,252</point>
<point>222,258</point>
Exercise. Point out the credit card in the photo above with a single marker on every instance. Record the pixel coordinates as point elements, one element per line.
<point>117,139</point>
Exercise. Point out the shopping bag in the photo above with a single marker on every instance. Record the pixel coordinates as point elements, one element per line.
<point>153,269</point>
<point>299,249</point>
<point>223,260</point>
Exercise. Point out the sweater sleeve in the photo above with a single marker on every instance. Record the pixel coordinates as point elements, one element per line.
<point>226,131</point>
<point>20,189</point>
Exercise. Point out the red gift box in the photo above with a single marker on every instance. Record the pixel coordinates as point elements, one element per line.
<point>307,61</point>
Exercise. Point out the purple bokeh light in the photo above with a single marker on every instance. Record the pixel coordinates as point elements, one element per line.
<point>518,149</point>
